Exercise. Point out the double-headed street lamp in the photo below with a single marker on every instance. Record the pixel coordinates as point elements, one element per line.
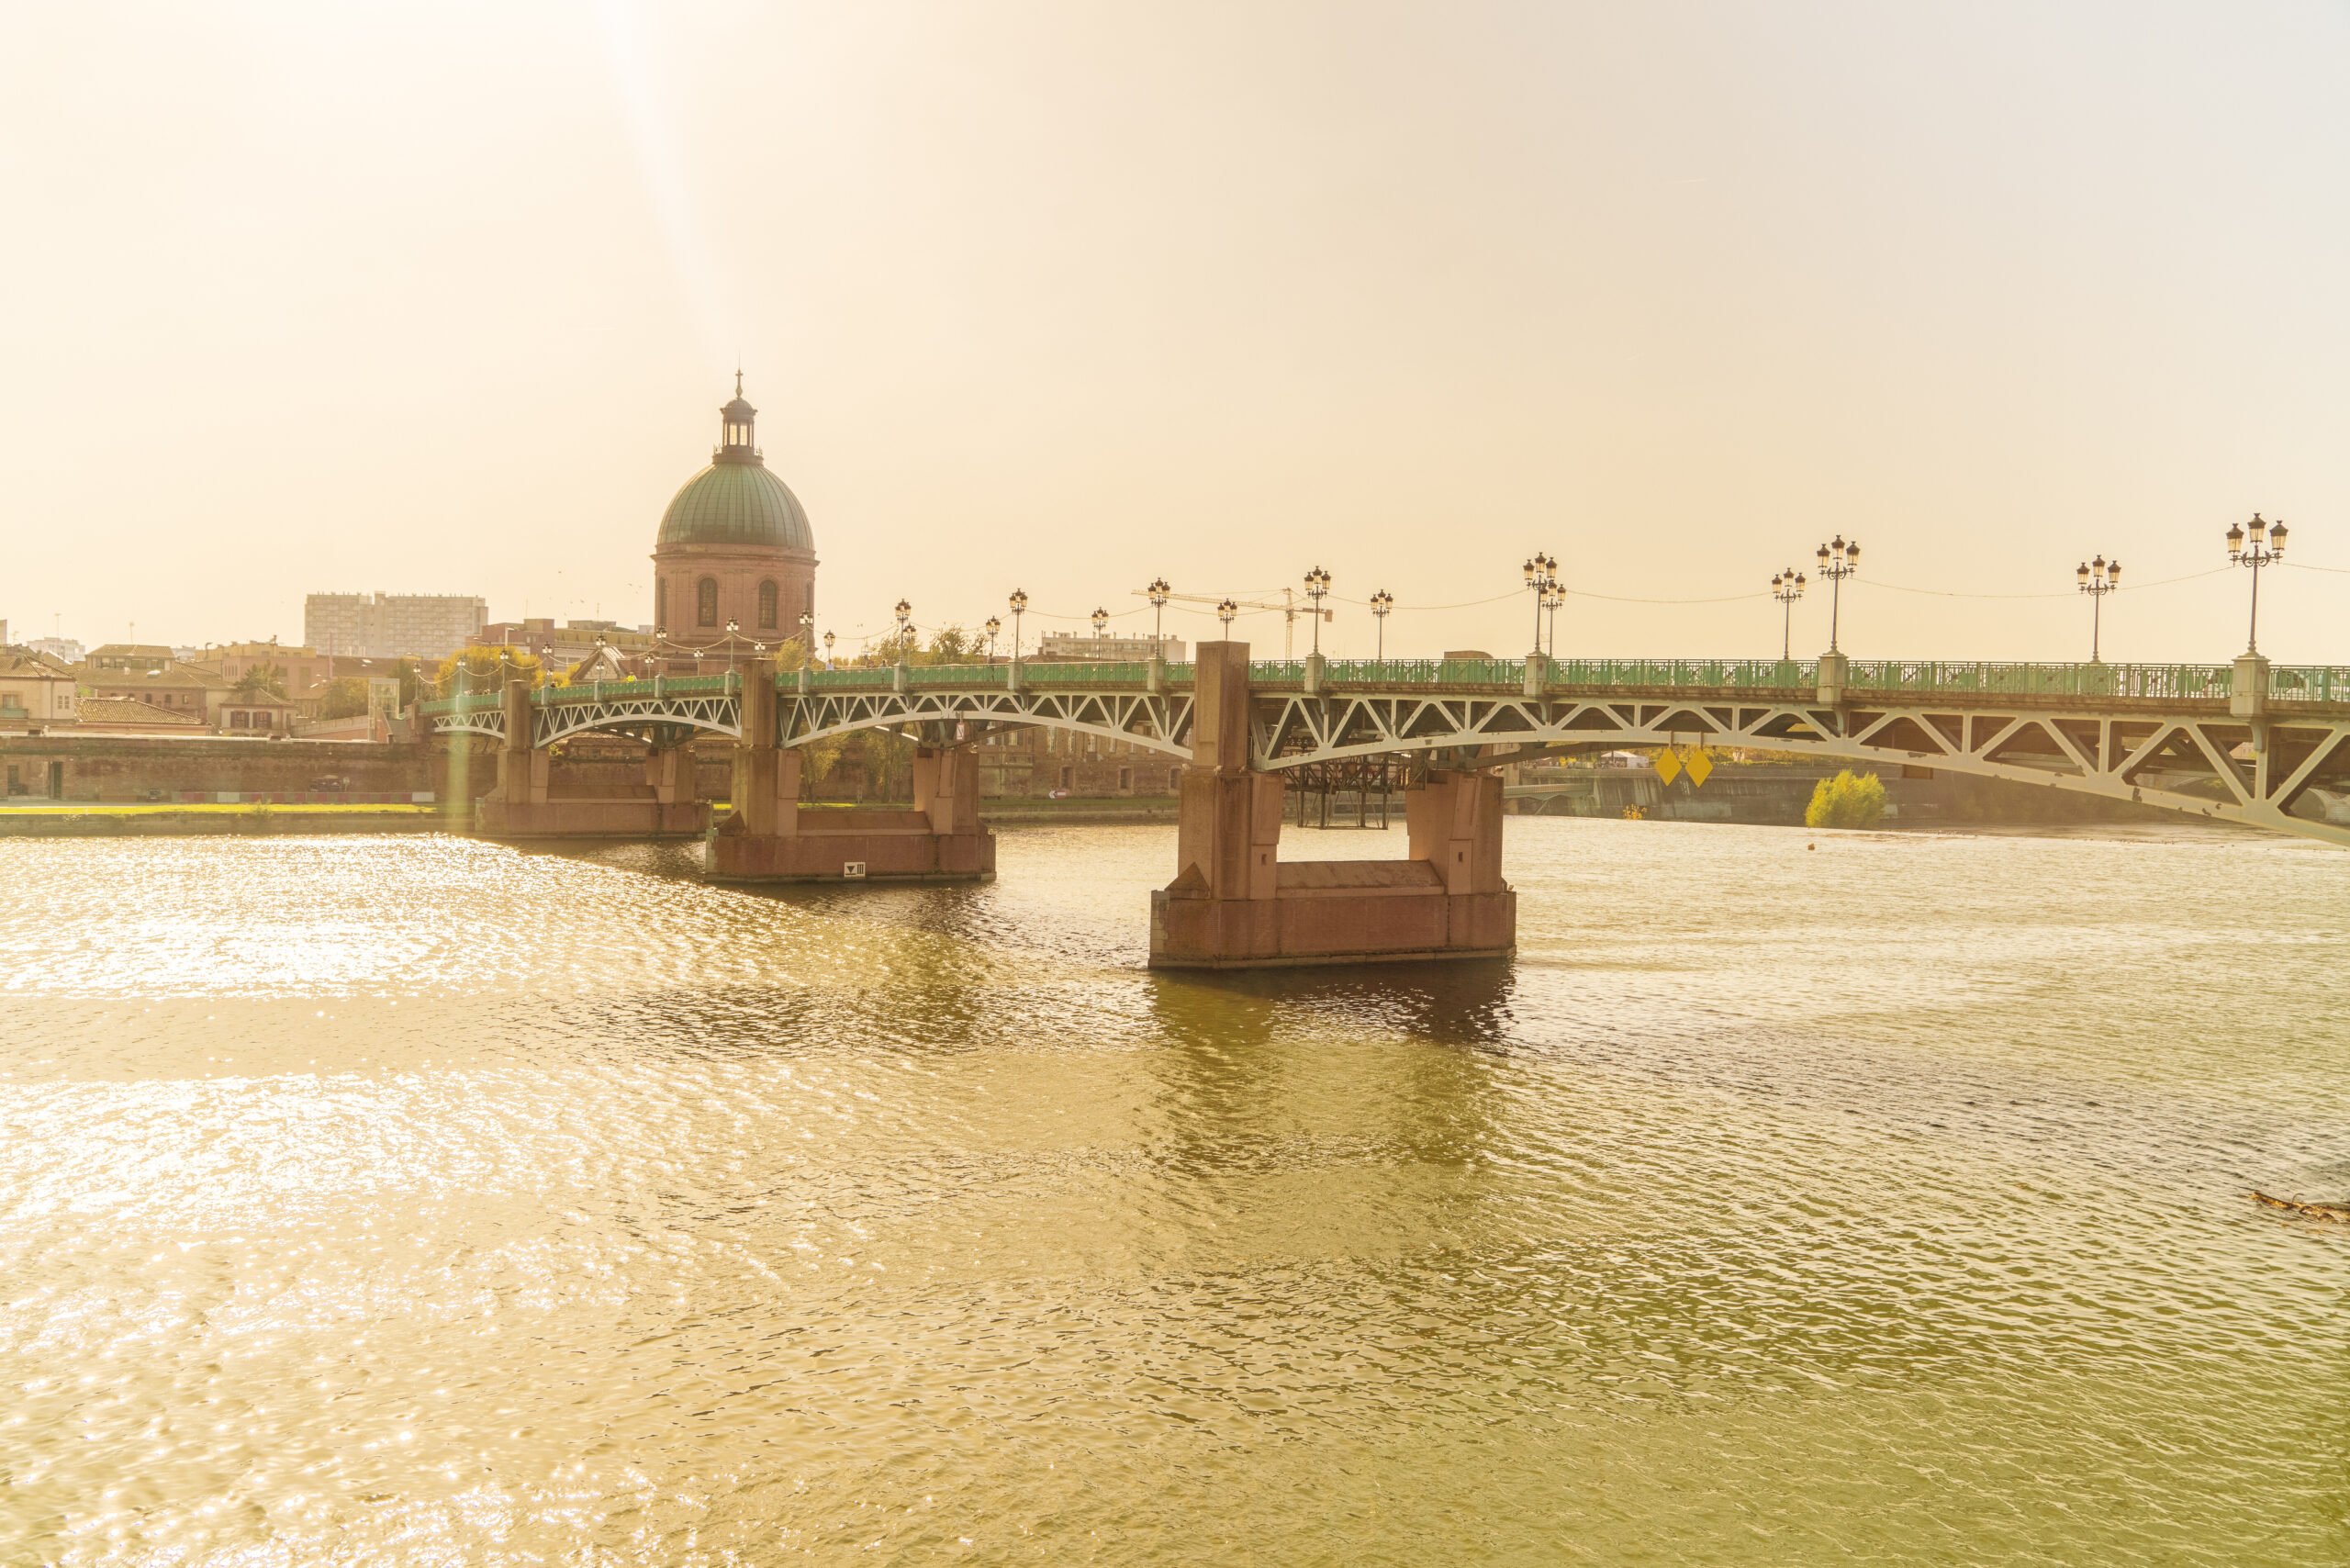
<point>1019,602</point>
<point>1541,577</point>
<point>1838,561</point>
<point>1382,605</point>
<point>1160,593</point>
<point>1317,584</point>
<point>1787,588</point>
<point>2257,553</point>
<point>2097,578</point>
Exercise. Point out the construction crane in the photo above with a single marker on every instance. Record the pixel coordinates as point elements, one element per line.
<point>1287,604</point>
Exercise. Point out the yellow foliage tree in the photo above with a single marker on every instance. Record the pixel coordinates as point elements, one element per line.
<point>488,669</point>
<point>1846,802</point>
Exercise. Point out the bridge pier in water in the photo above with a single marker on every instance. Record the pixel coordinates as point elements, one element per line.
<point>772,838</point>
<point>1235,903</point>
<point>531,799</point>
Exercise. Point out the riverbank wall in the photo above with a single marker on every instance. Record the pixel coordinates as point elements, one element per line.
<point>1776,796</point>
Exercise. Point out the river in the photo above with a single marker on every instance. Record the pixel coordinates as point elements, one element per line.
<point>373,1200</point>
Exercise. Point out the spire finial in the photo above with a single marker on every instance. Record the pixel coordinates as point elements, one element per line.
<point>738,376</point>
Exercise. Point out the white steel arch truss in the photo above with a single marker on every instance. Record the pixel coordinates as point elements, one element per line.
<point>2278,772</point>
<point>1159,722</point>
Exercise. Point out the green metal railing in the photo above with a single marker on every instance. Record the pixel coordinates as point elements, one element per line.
<point>1742,675</point>
<point>2204,681</point>
<point>2201,682</point>
<point>2310,683</point>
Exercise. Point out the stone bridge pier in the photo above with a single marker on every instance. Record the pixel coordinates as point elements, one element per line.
<point>1235,903</point>
<point>533,798</point>
<point>771,837</point>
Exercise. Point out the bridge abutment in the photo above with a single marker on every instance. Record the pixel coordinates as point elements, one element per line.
<point>1235,904</point>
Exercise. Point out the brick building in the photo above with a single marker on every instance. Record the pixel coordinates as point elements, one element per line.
<point>195,691</point>
<point>35,691</point>
<point>129,656</point>
<point>1038,762</point>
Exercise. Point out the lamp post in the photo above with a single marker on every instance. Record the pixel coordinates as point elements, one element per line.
<point>1787,588</point>
<point>1382,604</point>
<point>1541,576</point>
<point>1838,561</point>
<point>1019,603</point>
<point>2097,578</point>
<point>1224,612</point>
<point>1159,594</point>
<point>733,626</point>
<point>1317,584</point>
<point>828,650</point>
<point>2256,552</point>
<point>807,636</point>
<point>1553,598</point>
<point>1100,622</point>
<point>993,626</point>
<point>904,612</point>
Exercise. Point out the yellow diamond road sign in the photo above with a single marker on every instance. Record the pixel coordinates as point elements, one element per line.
<point>1668,765</point>
<point>1699,765</point>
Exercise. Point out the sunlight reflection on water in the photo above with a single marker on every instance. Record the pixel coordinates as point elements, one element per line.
<point>415,1199</point>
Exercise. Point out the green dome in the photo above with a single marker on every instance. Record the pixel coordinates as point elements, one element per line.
<point>737,502</point>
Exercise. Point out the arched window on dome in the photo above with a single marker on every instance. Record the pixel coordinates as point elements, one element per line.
<point>706,602</point>
<point>767,597</point>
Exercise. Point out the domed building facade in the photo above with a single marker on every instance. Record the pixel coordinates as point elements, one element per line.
<point>734,545</point>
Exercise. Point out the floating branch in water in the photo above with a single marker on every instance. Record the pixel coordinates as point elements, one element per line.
<point>2339,1213</point>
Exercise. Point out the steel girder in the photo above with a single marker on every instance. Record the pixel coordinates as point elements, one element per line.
<point>1158,721</point>
<point>718,713</point>
<point>2250,771</point>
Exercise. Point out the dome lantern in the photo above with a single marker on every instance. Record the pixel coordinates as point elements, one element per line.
<point>735,420</point>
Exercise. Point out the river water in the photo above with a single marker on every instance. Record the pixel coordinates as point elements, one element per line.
<point>421,1200</point>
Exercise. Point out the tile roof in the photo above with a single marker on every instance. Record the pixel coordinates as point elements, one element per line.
<point>126,710</point>
<point>188,675</point>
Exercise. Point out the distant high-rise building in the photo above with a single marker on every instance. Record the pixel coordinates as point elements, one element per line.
<point>65,648</point>
<point>391,625</point>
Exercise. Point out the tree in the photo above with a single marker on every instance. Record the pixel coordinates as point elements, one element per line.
<point>488,669</point>
<point>1846,802</point>
<point>412,681</point>
<point>343,698</point>
<point>262,680</point>
<point>951,646</point>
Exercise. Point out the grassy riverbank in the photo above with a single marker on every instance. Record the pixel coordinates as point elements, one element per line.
<point>59,819</point>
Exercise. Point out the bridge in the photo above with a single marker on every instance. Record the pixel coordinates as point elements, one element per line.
<point>2266,746</point>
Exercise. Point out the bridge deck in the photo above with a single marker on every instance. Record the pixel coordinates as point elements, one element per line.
<point>2166,735</point>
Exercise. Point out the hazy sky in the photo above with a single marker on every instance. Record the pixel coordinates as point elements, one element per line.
<point>1063,297</point>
